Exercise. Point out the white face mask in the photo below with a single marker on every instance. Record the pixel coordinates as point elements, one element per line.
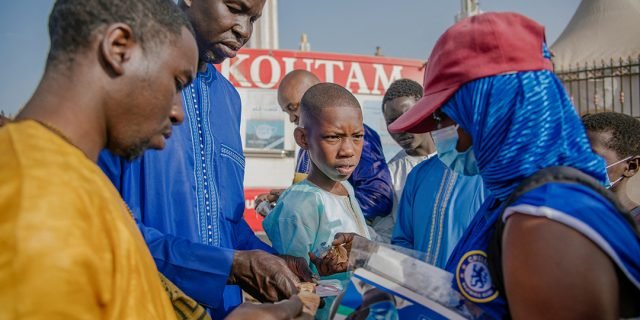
<point>610,184</point>
<point>445,140</point>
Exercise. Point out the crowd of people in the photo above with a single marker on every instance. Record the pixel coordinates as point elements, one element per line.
<point>497,172</point>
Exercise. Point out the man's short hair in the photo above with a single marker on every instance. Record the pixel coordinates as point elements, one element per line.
<point>73,23</point>
<point>402,88</point>
<point>624,129</point>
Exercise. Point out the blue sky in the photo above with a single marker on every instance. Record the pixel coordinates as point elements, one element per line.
<point>404,28</point>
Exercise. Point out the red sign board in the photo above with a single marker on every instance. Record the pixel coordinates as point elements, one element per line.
<point>263,69</point>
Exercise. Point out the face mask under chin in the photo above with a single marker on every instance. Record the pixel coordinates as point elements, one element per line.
<point>608,184</point>
<point>465,162</point>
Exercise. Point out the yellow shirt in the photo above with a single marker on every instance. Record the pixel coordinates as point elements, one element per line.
<point>68,247</point>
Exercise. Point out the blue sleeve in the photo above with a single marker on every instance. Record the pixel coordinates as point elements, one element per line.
<point>247,239</point>
<point>294,225</point>
<point>403,230</point>
<point>372,180</point>
<point>201,271</point>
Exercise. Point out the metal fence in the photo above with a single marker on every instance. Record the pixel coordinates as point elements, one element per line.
<point>612,85</point>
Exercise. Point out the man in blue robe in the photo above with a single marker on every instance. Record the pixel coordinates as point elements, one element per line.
<point>436,207</point>
<point>188,200</point>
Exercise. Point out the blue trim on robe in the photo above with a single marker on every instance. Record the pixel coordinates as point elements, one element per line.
<point>436,207</point>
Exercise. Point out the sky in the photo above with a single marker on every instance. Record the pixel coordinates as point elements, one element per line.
<point>403,28</point>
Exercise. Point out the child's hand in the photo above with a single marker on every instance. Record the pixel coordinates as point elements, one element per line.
<point>272,197</point>
<point>328,265</point>
<point>335,261</point>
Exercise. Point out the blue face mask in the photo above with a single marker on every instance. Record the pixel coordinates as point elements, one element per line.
<point>445,140</point>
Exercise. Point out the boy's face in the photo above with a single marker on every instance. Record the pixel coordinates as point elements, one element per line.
<point>599,144</point>
<point>410,142</point>
<point>334,140</point>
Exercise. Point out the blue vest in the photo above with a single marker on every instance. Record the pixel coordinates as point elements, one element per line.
<point>572,205</point>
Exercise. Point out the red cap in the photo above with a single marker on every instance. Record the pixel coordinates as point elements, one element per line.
<point>480,46</point>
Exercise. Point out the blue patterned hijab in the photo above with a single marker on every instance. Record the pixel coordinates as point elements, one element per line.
<point>520,123</point>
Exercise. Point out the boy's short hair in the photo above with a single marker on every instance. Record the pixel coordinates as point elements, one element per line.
<point>73,23</point>
<point>624,129</point>
<point>402,88</point>
<point>323,95</point>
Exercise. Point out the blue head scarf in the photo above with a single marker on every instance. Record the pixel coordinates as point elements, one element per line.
<point>520,123</point>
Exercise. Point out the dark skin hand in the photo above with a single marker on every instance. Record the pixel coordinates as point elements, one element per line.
<point>329,265</point>
<point>299,267</point>
<point>272,197</point>
<point>285,310</point>
<point>264,276</point>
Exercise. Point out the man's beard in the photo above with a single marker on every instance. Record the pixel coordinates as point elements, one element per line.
<point>208,56</point>
<point>135,150</point>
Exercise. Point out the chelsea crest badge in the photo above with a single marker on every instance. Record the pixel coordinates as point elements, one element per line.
<point>474,279</point>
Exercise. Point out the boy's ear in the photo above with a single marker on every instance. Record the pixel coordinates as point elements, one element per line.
<point>632,167</point>
<point>301,137</point>
<point>116,47</point>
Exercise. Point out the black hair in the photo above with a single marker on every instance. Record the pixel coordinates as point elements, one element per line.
<point>402,88</point>
<point>324,95</point>
<point>624,129</point>
<point>73,23</point>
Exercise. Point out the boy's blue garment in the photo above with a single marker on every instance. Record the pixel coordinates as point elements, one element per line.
<point>436,207</point>
<point>307,218</point>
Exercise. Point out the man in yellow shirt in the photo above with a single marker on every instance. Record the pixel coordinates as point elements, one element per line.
<point>69,248</point>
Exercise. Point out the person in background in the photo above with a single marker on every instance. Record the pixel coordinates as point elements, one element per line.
<point>435,203</point>
<point>189,200</point>
<point>371,180</point>
<point>400,96</point>
<point>69,247</point>
<point>616,138</point>
<point>311,212</point>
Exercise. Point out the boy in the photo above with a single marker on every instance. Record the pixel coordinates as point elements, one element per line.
<point>311,212</point>
<point>614,136</point>
<point>402,95</point>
